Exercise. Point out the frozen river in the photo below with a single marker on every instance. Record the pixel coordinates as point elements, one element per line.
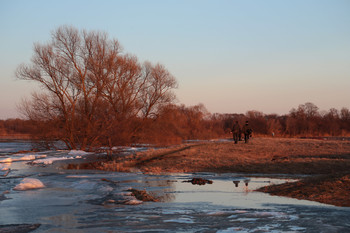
<point>94,201</point>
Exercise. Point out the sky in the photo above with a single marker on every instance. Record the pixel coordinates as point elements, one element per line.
<point>231,56</point>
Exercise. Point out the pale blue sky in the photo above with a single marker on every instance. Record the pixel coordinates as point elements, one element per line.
<point>232,56</point>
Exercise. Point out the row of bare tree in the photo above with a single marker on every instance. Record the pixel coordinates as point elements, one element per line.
<point>16,126</point>
<point>175,123</point>
<point>304,121</point>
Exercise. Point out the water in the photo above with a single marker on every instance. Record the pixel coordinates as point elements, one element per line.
<point>11,146</point>
<point>94,201</point>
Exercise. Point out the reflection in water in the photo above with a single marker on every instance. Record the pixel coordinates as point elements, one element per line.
<point>161,187</point>
<point>236,182</point>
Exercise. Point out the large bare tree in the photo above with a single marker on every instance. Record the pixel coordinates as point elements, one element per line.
<point>92,92</point>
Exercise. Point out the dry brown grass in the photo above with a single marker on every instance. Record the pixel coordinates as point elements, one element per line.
<point>260,155</point>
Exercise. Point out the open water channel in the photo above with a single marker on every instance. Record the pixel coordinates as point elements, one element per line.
<point>95,201</point>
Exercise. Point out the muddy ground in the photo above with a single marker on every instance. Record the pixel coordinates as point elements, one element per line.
<point>326,161</point>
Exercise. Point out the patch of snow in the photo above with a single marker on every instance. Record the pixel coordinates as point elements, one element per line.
<point>133,202</point>
<point>4,167</point>
<point>40,156</point>
<point>129,149</point>
<point>126,193</point>
<point>293,217</point>
<point>180,220</point>
<point>296,228</point>
<point>214,213</point>
<point>50,160</point>
<point>78,153</point>
<point>6,160</point>
<point>247,219</point>
<point>29,183</point>
<point>239,211</point>
<point>25,158</point>
<point>22,158</point>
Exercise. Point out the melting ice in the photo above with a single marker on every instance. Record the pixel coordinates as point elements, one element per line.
<point>96,201</point>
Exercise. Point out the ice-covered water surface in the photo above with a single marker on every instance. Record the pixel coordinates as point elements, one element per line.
<point>92,201</point>
<point>8,146</point>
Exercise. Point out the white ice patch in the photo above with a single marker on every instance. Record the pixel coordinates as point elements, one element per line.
<point>133,202</point>
<point>239,212</point>
<point>78,153</point>
<point>25,158</point>
<point>181,220</point>
<point>246,219</point>
<point>126,193</point>
<point>296,228</point>
<point>29,183</point>
<point>214,213</point>
<point>6,160</point>
<point>293,217</point>
<point>73,154</point>
<point>4,167</point>
<point>129,149</point>
<point>50,160</point>
<point>22,158</point>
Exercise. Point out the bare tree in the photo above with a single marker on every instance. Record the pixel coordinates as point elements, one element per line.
<point>90,86</point>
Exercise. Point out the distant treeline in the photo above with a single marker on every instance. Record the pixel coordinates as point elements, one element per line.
<point>12,127</point>
<point>176,123</point>
<point>304,121</point>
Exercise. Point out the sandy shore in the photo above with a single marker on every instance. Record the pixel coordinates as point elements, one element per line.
<point>327,161</point>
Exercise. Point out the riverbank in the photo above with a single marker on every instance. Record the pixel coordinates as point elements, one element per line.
<point>331,159</point>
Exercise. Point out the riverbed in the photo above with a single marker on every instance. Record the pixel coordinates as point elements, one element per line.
<point>97,201</point>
